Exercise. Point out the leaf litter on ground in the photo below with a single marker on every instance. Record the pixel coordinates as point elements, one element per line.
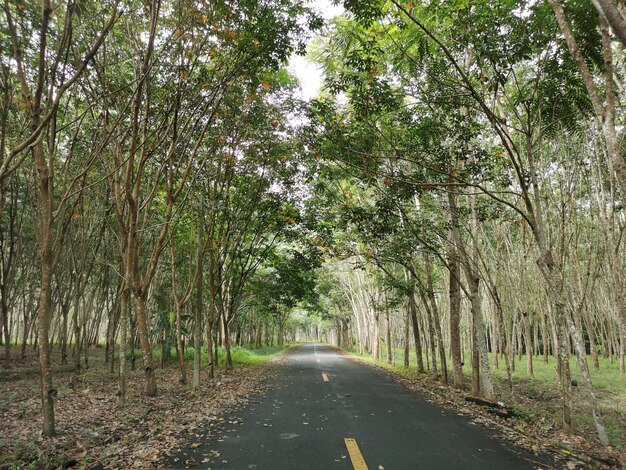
<point>93,433</point>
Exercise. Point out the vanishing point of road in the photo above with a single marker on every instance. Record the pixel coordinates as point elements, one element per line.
<point>326,411</point>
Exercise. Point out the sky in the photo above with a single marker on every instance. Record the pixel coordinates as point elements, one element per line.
<point>308,74</point>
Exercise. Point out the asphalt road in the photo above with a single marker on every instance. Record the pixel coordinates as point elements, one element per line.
<point>304,421</point>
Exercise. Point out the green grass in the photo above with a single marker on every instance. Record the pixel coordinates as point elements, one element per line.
<point>609,384</point>
<point>607,377</point>
<point>241,356</point>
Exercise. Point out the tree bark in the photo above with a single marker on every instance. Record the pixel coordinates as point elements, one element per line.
<point>388,336</point>
<point>146,348</point>
<point>455,296</point>
<point>406,340</point>
<point>124,308</point>
<point>528,344</point>
<point>416,332</point>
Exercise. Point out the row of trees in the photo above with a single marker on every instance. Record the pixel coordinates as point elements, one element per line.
<point>461,177</point>
<point>147,175</point>
<point>472,171</point>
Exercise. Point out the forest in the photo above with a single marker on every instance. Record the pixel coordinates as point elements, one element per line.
<point>450,204</point>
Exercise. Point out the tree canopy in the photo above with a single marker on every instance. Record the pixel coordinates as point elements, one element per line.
<point>457,186</point>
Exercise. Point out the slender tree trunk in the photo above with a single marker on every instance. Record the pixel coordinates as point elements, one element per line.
<point>85,346</point>
<point>435,313</point>
<point>124,307</point>
<point>431,331</point>
<point>375,336</point>
<point>115,314</point>
<point>197,345</point>
<point>388,336</point>
<point>592,338</point>
<point>583,367</point>
<point>64,332</point>
<point>144,343</point>
<point>475,385</point>
<point>222,330</point>
<point>216,344</point>
<point>550,271</point>
<point>77,335</point>
<point>455,296</point>
<point>495,338</point>
<point>565,378</point>
<point>416,333</point>
<point>179,345</point>
<point>528,344</point>
<point>26,332</point>
<point>44,311</point>
<point>229,358</point>
<point>5,324</point>
<point>48,393</point>
<point>259,336</point>
<point>211,345</point>
<point>545,338</point>
<point>405,338</point>
<point>199,304</point>
<point>485,387</point>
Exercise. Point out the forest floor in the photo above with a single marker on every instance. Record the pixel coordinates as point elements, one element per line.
<point>536,403</point>
<point>93,433</point>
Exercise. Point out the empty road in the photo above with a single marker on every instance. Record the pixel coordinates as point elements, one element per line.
<point>329,412</point>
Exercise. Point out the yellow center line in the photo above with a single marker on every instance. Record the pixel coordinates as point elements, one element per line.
<point>325,377</point>
<point>358,462</point>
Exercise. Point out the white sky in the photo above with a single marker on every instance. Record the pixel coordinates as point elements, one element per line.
<point>308,74</point>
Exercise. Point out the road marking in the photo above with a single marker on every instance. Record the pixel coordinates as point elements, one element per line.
<point>325,377</point>
<point>358,462</point>
<point>317,360</point>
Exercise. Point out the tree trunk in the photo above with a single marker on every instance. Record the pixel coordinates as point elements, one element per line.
<point>77,335</point>
<point>211,345</point>
<point>44,311</point>
<point>485,387</point>
<point>544,338</point>
<point>124,307</point>
<point>198,305</point>
<point>64,332</point>
<point>431,331</point>
<point>583,367</point>
<point>179,346</point>
<point>375,336</point>
<point>5,324</point>
<point>144,343</point>
<point>455,296</point>
<point>435,313</point>
<point>405,339</point>
<point>551,275</point>
<point>229,358</point>
<point>416,333</point>
<point>388,336</point>
<point>27,327</point>
<point>48,393</point>
<point>281,333</point>
<point>528,344</point>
